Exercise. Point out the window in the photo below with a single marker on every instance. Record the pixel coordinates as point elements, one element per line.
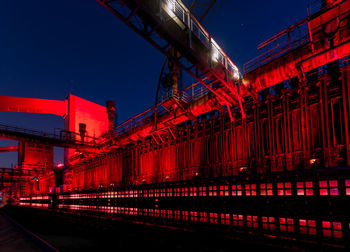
<point>213,218</point>
<point>225,219</point>
<point>193,216</point>
<point>145,193</point>
<point>202,191</point>
<point>156,213</point>
<point>332,229</point>
<point>162,192</point>
<point>329,187</point>
<point>156,193</point>
<point>170,192</point>
<point>203,217</point>
<point>177,192</point>
<point>177,214</point>
<point>307,227</point>
<point>184,215</point>
<point>150,212</point>
<point>252,221</point>
<point>163,213</point>
<point>268,223</point>
<point>305,188</point>
<point>347,186</point>
<point>236,190</point>
<point>145,211</point>
<point>266,189</point>
<point>224,190</point>
<point>250,190</point>
<point>193,191</point>
<point>284,189</point>
<point>286,225</point>
<point>184,192</point>
<point>237,220</point>
<point>212,191</point>
<point>150,193</point>
<point>170,214</point>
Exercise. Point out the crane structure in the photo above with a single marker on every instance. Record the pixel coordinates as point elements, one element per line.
<point>171,27</point>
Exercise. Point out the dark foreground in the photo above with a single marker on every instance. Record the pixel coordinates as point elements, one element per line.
<point>67,232</point>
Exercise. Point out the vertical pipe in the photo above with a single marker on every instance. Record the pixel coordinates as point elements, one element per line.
<point>345,94</point>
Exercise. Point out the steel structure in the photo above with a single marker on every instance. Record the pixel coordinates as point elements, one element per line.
<point>282,172</point>
<point>168,24</point>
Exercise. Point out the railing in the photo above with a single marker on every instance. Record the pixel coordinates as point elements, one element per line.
<point>187,95</point>
<point>285,41</point>
<point>176,9</point>
<point>63,135</point>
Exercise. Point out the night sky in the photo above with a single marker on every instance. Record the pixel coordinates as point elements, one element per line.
<point>49,49</point>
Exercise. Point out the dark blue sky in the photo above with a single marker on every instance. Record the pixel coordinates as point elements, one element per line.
<point>49,49</point>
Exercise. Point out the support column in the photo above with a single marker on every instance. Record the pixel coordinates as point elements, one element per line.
<point>305,127</point>
<point>345,80</point>
<point>272,144</point>
<point>286,129</point>
<point>324,80</point>
<point>254,165</point>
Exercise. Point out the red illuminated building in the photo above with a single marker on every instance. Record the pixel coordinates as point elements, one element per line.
<point>267,152</point>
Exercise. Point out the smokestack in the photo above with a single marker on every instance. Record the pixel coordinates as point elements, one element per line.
<point>111,113</point>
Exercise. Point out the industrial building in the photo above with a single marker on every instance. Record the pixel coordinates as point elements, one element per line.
<point>263,152</point>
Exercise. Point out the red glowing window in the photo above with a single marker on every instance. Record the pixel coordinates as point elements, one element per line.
<point>284,189</point>
<point>347,187</point>
<point>170,192</point>
<point>307,227</point>
<point>286,225</point>
<point>156,193</point>
<point>202,191</point>
<point>184,215</point>
<point>177,192</point>
<point>236,190</point>
<point>305,188</point>
<point>213,191</point>
<point>150,212</point>
<point>203,217</point>
<point>328,187</point>
<point>145,211</point>
<point>268,223</point>
<point>237,220</point>
<point>266,189</point>
<point>193,216</point>
<point>145,193</point>
<point>162,192</point>
<point>163,213</point>
<point>185,192</point>
<point>332,229</point>
<point>140,193</point>
<point>224,190</point>
<point>150,193</point>
<point>252,221</point>
<point>250,189</point>
<point>170,214</point>
<point>177,215</point>
<point>156,212</point>
<point>225,219</point>
<point>213,218</point>
<point>193,191</point>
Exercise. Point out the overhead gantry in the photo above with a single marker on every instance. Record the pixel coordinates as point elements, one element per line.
<point>170,27</point>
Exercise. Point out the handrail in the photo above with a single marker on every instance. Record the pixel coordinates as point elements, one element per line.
<point>176,8</point>
<point>283,42</point>
<point>64,135</point>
